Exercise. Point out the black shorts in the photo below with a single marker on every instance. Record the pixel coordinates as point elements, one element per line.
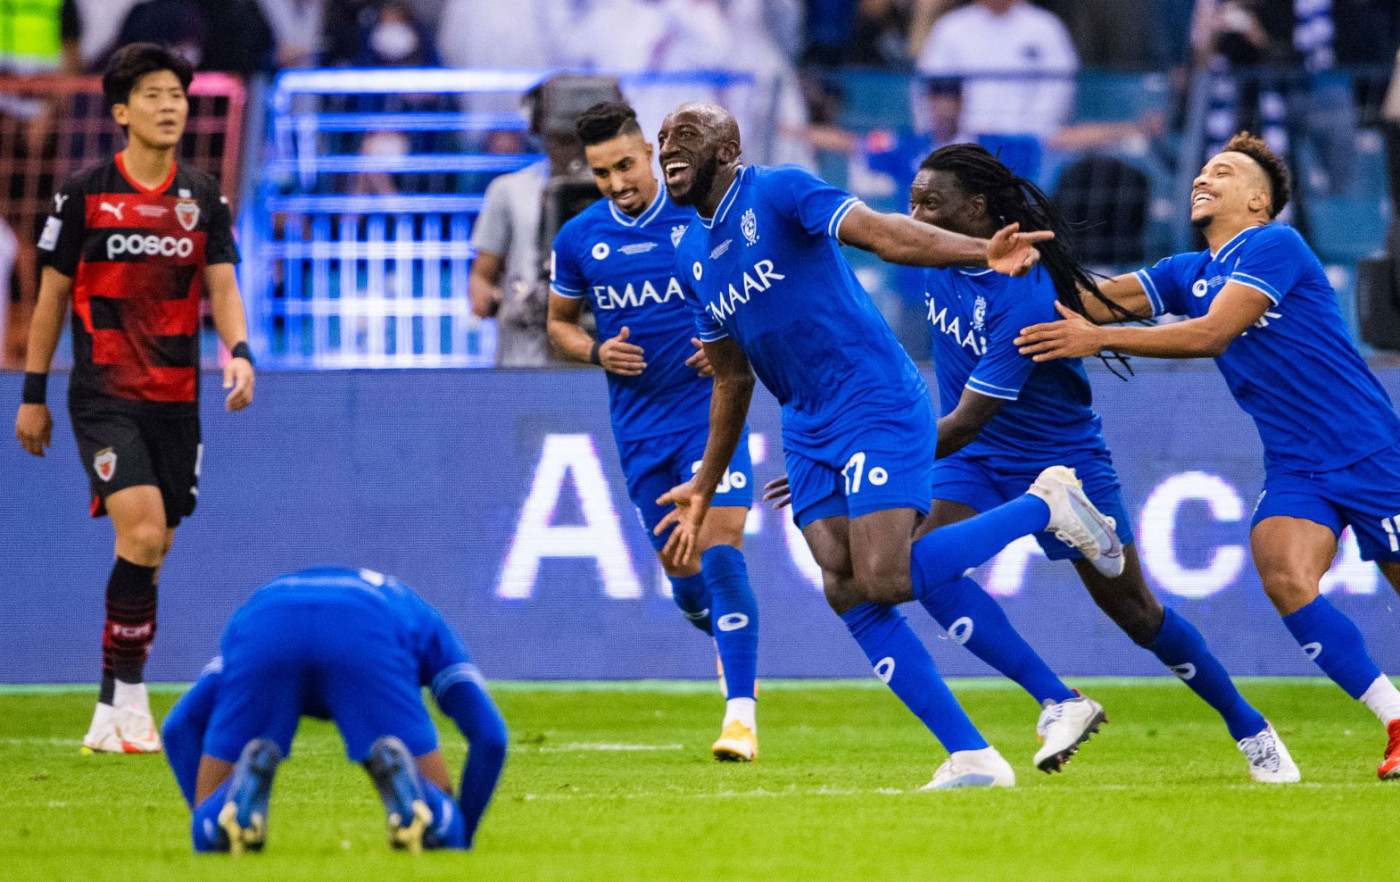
<point>121,450</point>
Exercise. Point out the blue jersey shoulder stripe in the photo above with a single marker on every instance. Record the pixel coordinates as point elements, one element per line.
<point>833,227</point>
<point>1257,284</point>
<point>462,672</point>
<point>992,390</point>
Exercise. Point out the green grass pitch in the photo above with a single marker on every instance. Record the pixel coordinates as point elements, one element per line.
<point>616,783</point>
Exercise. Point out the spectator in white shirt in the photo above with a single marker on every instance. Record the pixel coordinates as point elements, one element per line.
<point>1017,63</point>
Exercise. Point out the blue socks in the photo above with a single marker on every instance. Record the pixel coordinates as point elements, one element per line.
<point>204,828</point>
<point>1180,647</point>
<point>735,616</point>
<point>1334,644</point>
<point>902,662</point>
<point>693,598</point>
<point>949,552</point>
<point>449,829</point>
<point>971,617</point>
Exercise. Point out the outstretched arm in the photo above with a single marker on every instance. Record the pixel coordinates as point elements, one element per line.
<point>1234,311</point>
<point>1127,300</point>
<point>898,238</point>
<point>729,406</point>
<point>471,708</point>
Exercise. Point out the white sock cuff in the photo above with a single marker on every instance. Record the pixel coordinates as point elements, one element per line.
<point>1383,699</point>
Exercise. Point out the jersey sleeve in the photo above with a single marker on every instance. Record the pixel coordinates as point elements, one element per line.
<point>442,655</point>
<point>1272,261</point>
<point>61,241</point>
<point>565,274</point>
<point>816,205</point>
<point>1003,370</point>
<point>219,246</point>
<point>1166,284</point>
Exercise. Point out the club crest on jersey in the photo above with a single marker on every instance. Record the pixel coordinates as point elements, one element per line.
<point>187,213</point>
<point>677,234</point>
<point>979,313</point>
<point>748,225</point>
<point>105,463</point>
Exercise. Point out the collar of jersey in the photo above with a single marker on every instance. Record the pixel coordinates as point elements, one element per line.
<point>645,217</point>
<point>729,196</point>
<point>968,271</point>
<point>1234,242</point>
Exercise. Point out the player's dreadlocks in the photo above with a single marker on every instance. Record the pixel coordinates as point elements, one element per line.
<point>1013,199</point>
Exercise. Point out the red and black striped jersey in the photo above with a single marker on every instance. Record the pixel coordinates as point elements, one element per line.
<point>136,257</point>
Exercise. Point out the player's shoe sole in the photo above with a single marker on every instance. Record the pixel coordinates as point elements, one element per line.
<point>395,776</point>
<point>1078,720</point>
<point>1389,769</point>
<point>244,815</point>
<point>1077,522</point>
<point>737,743</point>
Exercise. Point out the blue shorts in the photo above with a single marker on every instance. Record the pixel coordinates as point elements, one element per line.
<point>654,465</point>
<point>972,483</point>
<point>882,466</point>
<point>1364,495</point>
<point>286,659</point>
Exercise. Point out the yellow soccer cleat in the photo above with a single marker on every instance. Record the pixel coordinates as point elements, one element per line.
<point>737,744</point>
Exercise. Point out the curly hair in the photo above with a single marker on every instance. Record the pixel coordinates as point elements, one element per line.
<point>1275,169</point>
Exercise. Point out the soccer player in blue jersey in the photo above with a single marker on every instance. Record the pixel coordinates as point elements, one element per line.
<point>352,646</point>
<point>1259,303</point>
<point>769,287</point>
<point>620,255</point>
<point>1006,417</point>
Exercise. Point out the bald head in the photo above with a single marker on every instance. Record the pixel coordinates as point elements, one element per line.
<point>699,145</point>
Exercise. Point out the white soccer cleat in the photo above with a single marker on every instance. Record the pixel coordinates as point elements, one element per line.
<point>122,730</point>
<point>973,768</point>
<point>102,736</point>
<point>1269,761</point>
<point>138,730</point>
<point>1075,521</point>
<point>1062,727</point>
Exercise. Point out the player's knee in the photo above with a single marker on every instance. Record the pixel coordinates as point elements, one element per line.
<point>144,542</point>
<point>1289,590</point>
<point>888,585</point>
<point>841,592</point>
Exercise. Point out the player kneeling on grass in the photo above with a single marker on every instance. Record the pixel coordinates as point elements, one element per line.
<point>351,646</point>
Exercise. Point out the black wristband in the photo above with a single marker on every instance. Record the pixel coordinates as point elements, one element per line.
<point>593,353</point>
<point>36,388</point>
<point>241,350</point>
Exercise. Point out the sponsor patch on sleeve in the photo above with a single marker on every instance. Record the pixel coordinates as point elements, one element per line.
<point>48,239</point>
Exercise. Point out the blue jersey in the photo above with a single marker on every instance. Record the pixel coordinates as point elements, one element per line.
<point>976,314</point>
<point>626,267</point>
<point>1316,404</point>
<point>340,595</point>
<point>767,270</point>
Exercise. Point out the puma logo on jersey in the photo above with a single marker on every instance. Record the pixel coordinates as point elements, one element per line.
<point>116,209</point>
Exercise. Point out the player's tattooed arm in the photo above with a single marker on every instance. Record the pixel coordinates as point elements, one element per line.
<point>1234,311</point>
<point>227,309</point>
<point>897,238</point>
<point>615,355</point>
<point>729,407</point>
<point>34,422</point>
<point>961,427</point>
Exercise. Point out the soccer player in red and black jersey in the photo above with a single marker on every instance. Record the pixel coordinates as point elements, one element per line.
<point>133,243</point>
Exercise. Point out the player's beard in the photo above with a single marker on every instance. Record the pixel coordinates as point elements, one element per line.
<point>702,178</point>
